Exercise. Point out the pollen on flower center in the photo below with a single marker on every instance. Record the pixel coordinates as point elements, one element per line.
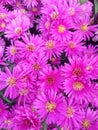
<point>72,45</point>
<point>50,106</point>
<point>61,28</point>
<point>50,80</point>
<point>30,47</point>
<point>8,122</point>
<point>89,67</point>
<point>18,30</point>
<point>47,25</point>
<point>3,25</point>
<point>71,10</point>
<point>36,66</point>
<point>86,124</point>
<point>70,111</point>
<point>78,85</point>
<point>77,72</point>
<point>13,50</point>
<point>84,27</point>
<point>11,81</point>
<point>34,9</point>
<point>50,44</point>
<point>54,15</point>
<point>3,15</point>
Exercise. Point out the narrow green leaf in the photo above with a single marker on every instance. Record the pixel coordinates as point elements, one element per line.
<point>96,6</point>
<point>82,1</point>
<point>45,126</point>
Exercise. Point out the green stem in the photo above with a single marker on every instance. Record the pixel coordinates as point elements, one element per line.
<point>96,6</point>
<point>45,126</point>
<point>82,1</point>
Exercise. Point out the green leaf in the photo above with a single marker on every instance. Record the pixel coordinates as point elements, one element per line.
<point>96,6</point>
<point>82,1</point>
<point>45,126</point>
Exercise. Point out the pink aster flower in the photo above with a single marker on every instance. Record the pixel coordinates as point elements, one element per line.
<point>84,30</point>
<point>89,120</point>
<point>50,79</point>
<point>26,119</point>
<point>60,29</point>
<point>52,48</point>
<point>3,112</point>
<point>30,46</point>
<point>74,47</point>
<point>72,115</point>
<point>74,10</point>
<point>17,26</point>
<point>76,68</point>
<point>80,90</point>
<point>11,81</point>
<point>2,46</point>
<point>11,53</point>
<point>49,106</point>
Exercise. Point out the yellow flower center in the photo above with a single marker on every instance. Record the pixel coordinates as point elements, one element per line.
<point>18,30</point>
<point>50,44</point>
<point>50,80</point>
<point>30,47</point>
<point>13,50</point>
<point>23,11</point>
<point>78,86</point>
<point>77,72</point>
<point>70,112</point>
<point>36,66</point>
<point>34,9</point>
<point>61,28</point>
<point>2,15</point>
<point>11,81</point>
<point>86,124</point>
<point>54,15</point>
<point>50,106</point>
<point>3,25</point>
<point>84,27</point>
<point>89,67</point>
<point>71,10</point>
<point>47,25</point>
<point>72,45</point>
<point>8,122</point>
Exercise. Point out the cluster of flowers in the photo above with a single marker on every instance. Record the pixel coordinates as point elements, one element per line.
<point>48,93</point>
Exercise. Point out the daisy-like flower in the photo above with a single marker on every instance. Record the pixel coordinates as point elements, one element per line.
<point>30,3</point>
<point>74,10</point>
<point>3,112</point>
<point>49,106</point>
<point>84,30</point>
<point>17,26</point>
<point>74,47</point>
<point>30,46</point>
<point>60,29</point>
<point>2,46</point>
<point>52,48</point>
<point>76,68</point>
<point>72,115</point>
<point>11,81</point>
<point>26,119</point>
<point>80,90</point>
<point>89,120</point>
<point>11,53</point>
<point>50,79</point>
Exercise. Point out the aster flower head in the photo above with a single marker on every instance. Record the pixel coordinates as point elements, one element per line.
<point>11,81</point>
<point>72,115</point>
<point>89,120</point>
<point>52,48</point>
<point>2,46</point>
<point>80,90</point>
<point>49,106</point>
<point>26,119</point>
<point>60,29</point>
<point>50,79</point>
<point>84,30</point>
<point>31,46</point>
<point>74,46</point>
<point>17,26</point>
